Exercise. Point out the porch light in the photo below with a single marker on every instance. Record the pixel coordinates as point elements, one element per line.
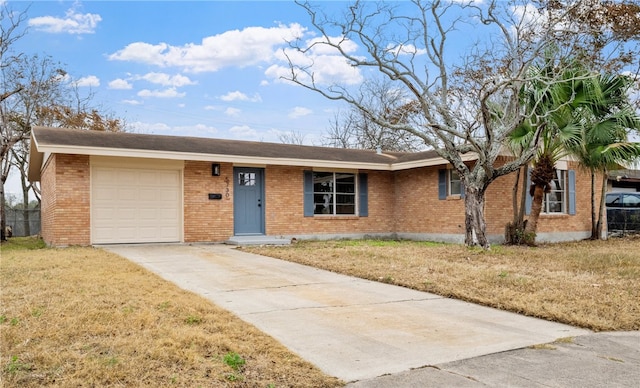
<point>215,169</point>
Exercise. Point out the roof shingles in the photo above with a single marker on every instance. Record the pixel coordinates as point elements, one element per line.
<point>46,136</point>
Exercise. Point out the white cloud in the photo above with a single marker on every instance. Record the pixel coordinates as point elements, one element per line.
<point>132,102</point>
<point>326,64</point>
<point>233,112</point>
<point>89,81</point>
<point>239,96</point>
<point>211,107</point>
<point>244,132</point>
<point>240,48</point>
<point>72,23</point>
<point>318,47</point>
<point>251,46</point>
<point>326,70</point>
<point>166,93</point>
<point>167,79</point>
<point>407,49</point>
<point>120,84</point>
<point>198,130</point>
<point>142,127</point>
<point>299,111</point>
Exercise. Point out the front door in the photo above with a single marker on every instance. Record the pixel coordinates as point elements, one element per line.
<point>248,198</point>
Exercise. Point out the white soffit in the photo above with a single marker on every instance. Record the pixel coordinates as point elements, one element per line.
<point>243,160</point>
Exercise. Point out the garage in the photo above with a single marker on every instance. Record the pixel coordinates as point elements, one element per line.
<point>135,205</point>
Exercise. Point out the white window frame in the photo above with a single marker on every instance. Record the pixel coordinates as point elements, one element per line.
<point>450,182</point>
<point>330,198</point>
<point>547,201</point>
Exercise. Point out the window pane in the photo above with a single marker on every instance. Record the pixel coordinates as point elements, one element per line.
<point>345,204</point>
<point>613,200</point>
<point>322,182</point>
<point>323,203</point>
<point>630,200</point>
<point>345,183</point>
<point>454,183</point>
<point>323,192</point>
<point>554,201</point>
<point>247,179</point>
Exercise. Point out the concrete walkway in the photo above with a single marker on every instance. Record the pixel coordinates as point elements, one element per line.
<point>350,328</point>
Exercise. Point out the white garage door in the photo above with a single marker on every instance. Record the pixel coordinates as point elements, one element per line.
<point>135,205</point>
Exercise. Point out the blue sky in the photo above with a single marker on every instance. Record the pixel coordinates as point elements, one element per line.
<point>199,68</point>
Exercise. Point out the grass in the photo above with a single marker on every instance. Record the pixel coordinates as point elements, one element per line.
<point>590,284</point>
<point>86,317</point>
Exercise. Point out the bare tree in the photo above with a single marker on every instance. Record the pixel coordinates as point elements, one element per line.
<point>9,33</point>
<point>44,96</point>
<point>461,102</point>
<point>354,129</point>
<point>293,137</point>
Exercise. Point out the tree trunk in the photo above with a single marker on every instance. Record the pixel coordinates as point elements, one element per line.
<point>514,199</point>
<point>26,221</point>
<point>523,194</point>
<point>3,214</point>
<point>601,212</point>
<point>594,226</point>
<point>536,209</point>
<point>475,226</point>
<point>514,231</point>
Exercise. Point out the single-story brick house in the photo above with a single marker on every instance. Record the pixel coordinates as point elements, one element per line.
<point>105,188</point>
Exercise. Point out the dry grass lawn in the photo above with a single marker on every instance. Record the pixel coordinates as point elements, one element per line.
<point>591,284</point>
<point>84,317</point>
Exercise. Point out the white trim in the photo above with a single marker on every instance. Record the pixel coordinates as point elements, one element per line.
<point>239,160</point>
<point>437,161</point>
<point>137,163</point>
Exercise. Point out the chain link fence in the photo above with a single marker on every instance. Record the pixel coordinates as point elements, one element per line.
<point>16,221</point>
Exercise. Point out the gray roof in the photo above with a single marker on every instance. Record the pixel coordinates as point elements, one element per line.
<point>198,145</point>
<point>64,140</point>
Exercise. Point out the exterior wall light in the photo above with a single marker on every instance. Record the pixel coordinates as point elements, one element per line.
<point>215,169</point>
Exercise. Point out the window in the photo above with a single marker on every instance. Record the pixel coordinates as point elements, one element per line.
<point>613,200</point>
<point>631,200</point>
<point>555,201</point>
<point>455,187</point>
<point>449,183</point>
<point>561,199</point>
<point>247,178</point>
<point>334,193</point>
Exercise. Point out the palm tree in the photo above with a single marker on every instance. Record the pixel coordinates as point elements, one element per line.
<point>605,123</point>
<point>585,115</point>
<point>551,106</point>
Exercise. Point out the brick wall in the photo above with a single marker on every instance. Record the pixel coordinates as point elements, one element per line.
<point>418,208</point>
<point>66,200</point>
<point>48,201</point>
<point>399,202</point>
<point>582,219</point>
<point>205,219</point>
<point>285,206</point>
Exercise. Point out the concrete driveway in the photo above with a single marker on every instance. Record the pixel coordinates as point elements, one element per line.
<point>350,328</point>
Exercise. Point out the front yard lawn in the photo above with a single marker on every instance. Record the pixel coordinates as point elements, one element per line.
<point>83,317</point>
